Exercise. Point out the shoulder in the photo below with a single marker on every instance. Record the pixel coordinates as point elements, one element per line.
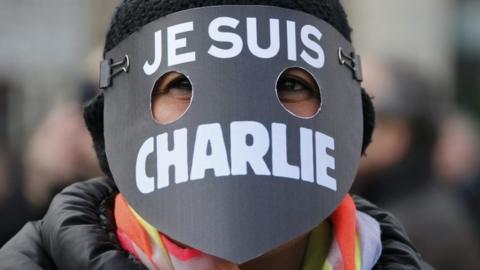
<point>397,250</point>
<point>77,232</point>
<point>25,250</point>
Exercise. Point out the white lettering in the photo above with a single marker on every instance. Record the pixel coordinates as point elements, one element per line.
<point>174,44</point>
<point>280,166</point>
<point>324,160</point>
<point>292,41</point>
<point>176,157</point>
<point>306,154</point>
<point>145,184</point>
<point>241,153</point>
<point>252,39</point>
<point>215,34</point>
<point>249,143</point>
<point>221,30</point>
<point>148,68</point>
<point>305,33</point>
<point>209,134</point>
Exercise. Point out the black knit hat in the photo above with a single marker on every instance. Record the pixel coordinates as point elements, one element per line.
<point>131,15</point>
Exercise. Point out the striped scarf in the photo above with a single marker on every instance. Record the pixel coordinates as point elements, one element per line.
<point>355,245</point>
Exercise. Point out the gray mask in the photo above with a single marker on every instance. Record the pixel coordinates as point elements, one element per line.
<point>237,174</point>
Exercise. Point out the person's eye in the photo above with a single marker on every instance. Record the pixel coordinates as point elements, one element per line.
<point>180,83</point>
<point>179,87</point>
<point>291,88</point>
<point>171,97</point>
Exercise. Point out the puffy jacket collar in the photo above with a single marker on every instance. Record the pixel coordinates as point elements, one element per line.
<point>78,229</point>
<point>78,233</point>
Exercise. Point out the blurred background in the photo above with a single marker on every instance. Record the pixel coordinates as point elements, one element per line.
<point>421,64</point>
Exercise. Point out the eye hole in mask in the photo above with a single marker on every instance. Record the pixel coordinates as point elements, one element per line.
<point>298,93</point>
<point>171,97</point>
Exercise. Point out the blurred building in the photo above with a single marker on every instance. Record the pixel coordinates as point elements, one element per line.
<point>467,61</point>
<point>42,50</point>
<point>419,32</point>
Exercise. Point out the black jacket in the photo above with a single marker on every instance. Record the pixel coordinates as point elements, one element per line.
<point>78,232</point>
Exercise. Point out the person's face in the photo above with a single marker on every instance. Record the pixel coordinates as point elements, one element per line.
<point>296,90</point>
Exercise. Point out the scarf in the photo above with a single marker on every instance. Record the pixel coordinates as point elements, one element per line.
<point>355,244</point>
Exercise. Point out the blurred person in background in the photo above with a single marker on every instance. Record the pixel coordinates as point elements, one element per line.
<point>398,173</point>
<point>457,156</point>
<point>14,209</point>
<point>58,153</point>
<point>457,160</point>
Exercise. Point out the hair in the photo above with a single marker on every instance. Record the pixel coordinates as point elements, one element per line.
<point>131,15</point>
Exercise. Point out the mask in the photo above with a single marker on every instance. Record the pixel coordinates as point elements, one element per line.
<point>237,174</point>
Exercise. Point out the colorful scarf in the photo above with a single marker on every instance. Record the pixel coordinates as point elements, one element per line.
<point>355,245</point>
